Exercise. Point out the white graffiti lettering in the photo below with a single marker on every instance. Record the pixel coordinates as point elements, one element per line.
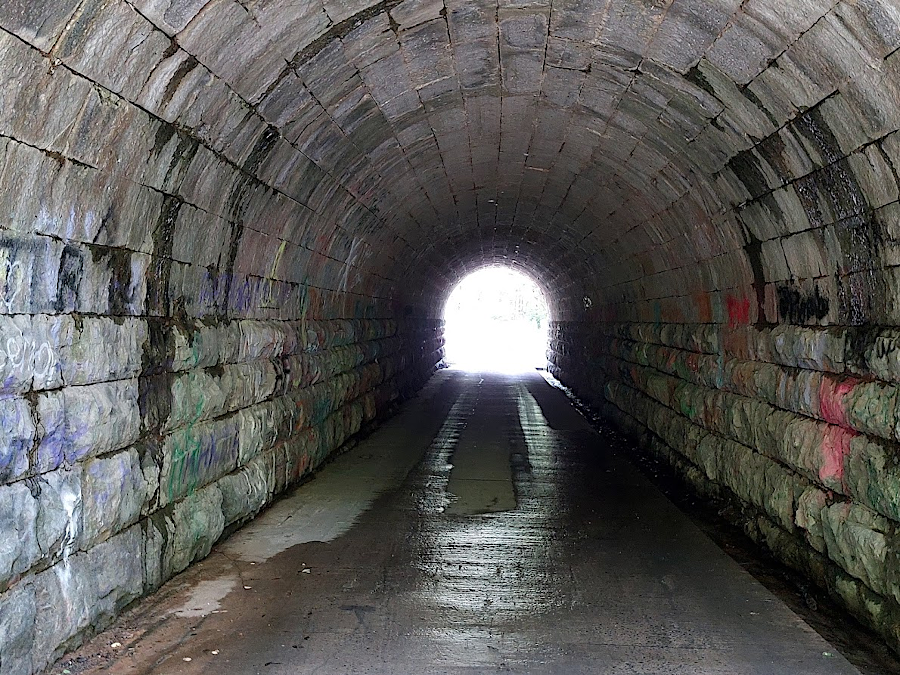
<point>25,358</point>
<point>12,282</point>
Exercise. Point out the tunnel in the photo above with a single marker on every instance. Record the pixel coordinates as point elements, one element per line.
<point>231,227</point>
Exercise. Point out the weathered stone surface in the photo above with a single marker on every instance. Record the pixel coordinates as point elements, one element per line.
<point>19,550</point>
<point>102,349</point>
<point>30,355</point>
<point>156,531</point>
<point>196,456</point>
<point>857,539</point>
<point>79,422</point>
<point>114,492</point>
<point>59,522</point>
<point>19,434</point>
<point>411,13</point>
<point>85,590</point>
<point>38,24</point>
<point>259,427</point>
<point>63,598</point>
<point>17,620</point>
<point>196,523</point>
<point>117,567</point>
<point>225,225</point>
<point>247,490</point>
<point>828,435</point>
<point>810,506</point>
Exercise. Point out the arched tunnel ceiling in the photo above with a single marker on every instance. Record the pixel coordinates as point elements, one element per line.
<point>610,148</point>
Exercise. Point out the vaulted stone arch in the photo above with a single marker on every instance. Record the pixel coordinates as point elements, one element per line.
<point>229,226</point>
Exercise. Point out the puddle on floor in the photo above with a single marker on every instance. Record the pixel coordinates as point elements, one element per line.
<point>206,597</point>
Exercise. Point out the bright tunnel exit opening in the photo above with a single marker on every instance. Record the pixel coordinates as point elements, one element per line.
<point>496,319</point>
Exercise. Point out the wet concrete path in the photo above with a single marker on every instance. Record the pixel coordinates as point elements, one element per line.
<point>484,529</point>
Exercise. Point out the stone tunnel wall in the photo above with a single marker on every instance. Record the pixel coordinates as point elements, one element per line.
<point>201,196</point>
<point>185,329</point>
<point>121,468</point>
<point>796,423</point>
<point>758,352</point>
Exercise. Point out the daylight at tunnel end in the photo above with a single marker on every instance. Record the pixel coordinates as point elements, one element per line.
<point>230,229</point>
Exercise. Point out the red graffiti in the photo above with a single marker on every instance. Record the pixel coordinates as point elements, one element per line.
<point>835,448</point>
<point>738,311</point>
<point>831,399</point>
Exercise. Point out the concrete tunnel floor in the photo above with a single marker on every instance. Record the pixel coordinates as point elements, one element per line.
<point>485,528</point>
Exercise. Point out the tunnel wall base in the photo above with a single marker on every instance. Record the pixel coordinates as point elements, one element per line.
<point>148,471</point>
<point>793,423</point>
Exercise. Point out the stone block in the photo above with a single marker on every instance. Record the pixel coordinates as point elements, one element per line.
<point>688,30</point>
<point>807,348</point>
<point>80,422</point>
<point>38,274</point>
<point>59,523</point>
<point>340,10</point>
<point>882,355</point>
<point>43,519</point>
<point>870,407</point>
<point>810,505</point>
<point>114,282</point>
<point>410,13</point>
<point>36,23</point>
<point>38,103</point>
<point>197,455</point>
<point>124,224</point>
<point>248,383</point>
<point>872,475</point>
<point>857,540</point>
<point>196,524</point>
<point>116,566</point>
<point>114,493</point>
<point>205,346</point>
<point>193,397</point>
<point>103,349</point>
<point>101,30</point>
<point>781,490</point>
<point>874,176</point>
<point>261,339</point>
<point>28,355</point>
<point>84,592</point>
<point>866,97</point>
<point>17,620</point>
<point>246,491</point>
<point>157,530</point>
<point>64,598</point>
<point>19,549</point>
<point>258,428</point>
<point>17,421</point>
<point>50,337</point>
<point>188,248</point>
